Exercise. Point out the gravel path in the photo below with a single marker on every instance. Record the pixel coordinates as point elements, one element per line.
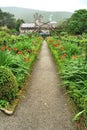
<point>44,106</point>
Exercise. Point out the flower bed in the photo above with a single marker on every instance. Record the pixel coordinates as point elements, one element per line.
<point>17,54</point>
<point>72,65</point>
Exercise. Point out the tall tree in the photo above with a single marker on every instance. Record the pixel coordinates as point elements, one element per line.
<point>1,17</point>
<point>7,19</point>
<point>77,24</point>
<point>18,23</point>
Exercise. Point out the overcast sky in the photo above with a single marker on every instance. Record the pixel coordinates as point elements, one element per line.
<point>48,5</point>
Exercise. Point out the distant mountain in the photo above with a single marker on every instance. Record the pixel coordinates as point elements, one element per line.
<point>27,14</point>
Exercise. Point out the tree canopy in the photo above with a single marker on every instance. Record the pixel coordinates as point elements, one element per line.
<point>7,19</point>
<point>77,24</point>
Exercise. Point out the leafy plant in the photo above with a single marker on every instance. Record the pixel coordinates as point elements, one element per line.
<point>76,117</point>
<point>5,57</point>
<point>3,104</point>
<point>72,67</point>
<point>8,84</point>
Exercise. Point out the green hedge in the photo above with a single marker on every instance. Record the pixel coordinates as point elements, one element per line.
<point>8,84</point>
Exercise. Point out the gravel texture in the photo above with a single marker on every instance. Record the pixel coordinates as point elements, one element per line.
<point>44,106</point>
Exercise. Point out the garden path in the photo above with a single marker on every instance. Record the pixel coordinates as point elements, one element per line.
<point>45,106</point>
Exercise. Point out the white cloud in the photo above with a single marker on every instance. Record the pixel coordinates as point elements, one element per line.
<point>50,5</point>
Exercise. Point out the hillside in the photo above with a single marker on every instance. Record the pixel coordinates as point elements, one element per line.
<point>27,14</point>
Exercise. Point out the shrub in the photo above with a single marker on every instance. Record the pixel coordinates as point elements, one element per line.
<point>3,104</point>
<point>8,84</point>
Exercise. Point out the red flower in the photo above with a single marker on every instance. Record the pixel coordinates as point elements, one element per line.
<point>3,48</point>
<point>15,49</point>
<point>56,45</point>
<point>74,56</point>
<point>63,56</point>
<point>20,52</point>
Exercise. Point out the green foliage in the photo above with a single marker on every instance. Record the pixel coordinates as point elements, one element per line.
<point>4,38</point>
<point>74,75</point>
<point>63,33</point>
<point>8,84</point>
<point>5,57</point>
<point>78,22</point>
<point>72,65</point>
<point>19,67</point>
<point>24,45</point>
<point>3,104</point>
<point>18,23</point>
<point>19,53</point>
<point>8,20</point>
<point>76,117</point>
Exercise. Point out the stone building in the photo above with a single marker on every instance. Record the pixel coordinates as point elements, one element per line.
<point>38,25</point>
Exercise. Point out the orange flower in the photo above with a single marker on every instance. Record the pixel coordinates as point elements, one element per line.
<point>15,49</point>
<point>26,59</point>
<point>3,48</point>
<point>56,45</point>
<point>20,52</point>
<point>63,56</point>
<point>74,56</point>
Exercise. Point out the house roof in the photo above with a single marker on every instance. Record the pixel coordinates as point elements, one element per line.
<point>27,25</point>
